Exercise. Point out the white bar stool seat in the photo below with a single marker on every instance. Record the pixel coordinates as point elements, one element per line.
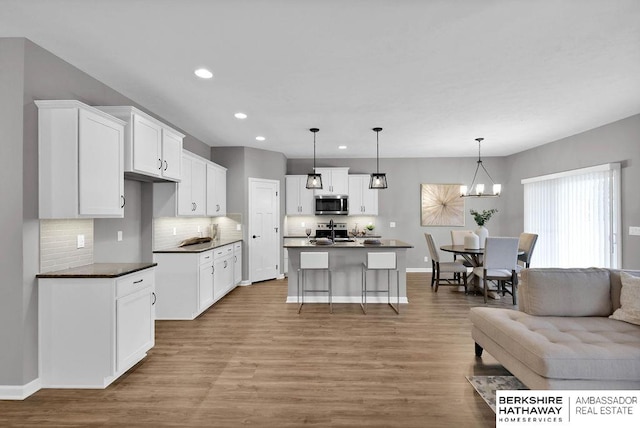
<point>313,261</point>
<point>381,261</point>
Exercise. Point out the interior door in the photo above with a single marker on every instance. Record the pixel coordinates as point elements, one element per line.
<point>264,229</point>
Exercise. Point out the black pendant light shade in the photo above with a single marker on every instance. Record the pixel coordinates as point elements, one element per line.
<point>314,181</point>
<point>378,179</point>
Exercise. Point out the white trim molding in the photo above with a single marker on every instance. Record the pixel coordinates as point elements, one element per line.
<point>19,392</point>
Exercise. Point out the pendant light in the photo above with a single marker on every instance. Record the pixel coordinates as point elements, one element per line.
<point>314,180</point>
<point>465,191</point>
<point>378,179</point>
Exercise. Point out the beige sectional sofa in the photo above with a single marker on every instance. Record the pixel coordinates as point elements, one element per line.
<point>562,337</point>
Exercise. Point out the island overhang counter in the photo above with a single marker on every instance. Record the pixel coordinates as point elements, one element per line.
<point>345,262</point>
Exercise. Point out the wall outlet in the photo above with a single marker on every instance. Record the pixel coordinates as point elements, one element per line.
<point>80,241</point>
<point>426,258</point>
<point>119,235</point>
<point>175,231</point>
<point>238,226</point>
<point>392,224</point>
<point>634,230</point>
<point>302,224</point>
<point>198,229</point>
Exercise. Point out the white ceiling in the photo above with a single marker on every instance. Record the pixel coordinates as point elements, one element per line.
<point>434,74</point>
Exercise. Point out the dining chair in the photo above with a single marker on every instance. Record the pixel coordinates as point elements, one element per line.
<point>499,264</point>
<point>457,238</point>
<point>439,267</point>
<point>526,243</point>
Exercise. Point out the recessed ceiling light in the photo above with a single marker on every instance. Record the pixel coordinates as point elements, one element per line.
<point>260,138</point>
<point>203,73</point>
<point>240,115</point>
<point>342,147</point>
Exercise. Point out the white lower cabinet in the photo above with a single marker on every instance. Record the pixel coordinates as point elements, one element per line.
<point>223,271</point>
<point>92,330</point>
<point>237,263</point>
<point>184,284</point>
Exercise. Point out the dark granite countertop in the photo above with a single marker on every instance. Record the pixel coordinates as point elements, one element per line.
<point>384,243</point>
<point>199,248</point>
<point>98,270</point>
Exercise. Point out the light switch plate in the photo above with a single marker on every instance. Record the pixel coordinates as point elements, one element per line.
<point>119,235</point>
<point>634,230</point>
<point>175,231</point>
<point>80,241</point>
<point>426,258</point>
<point>238,226</point>
<point>392,224</point>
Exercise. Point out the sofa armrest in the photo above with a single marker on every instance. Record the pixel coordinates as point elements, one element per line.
<point>565,292</point>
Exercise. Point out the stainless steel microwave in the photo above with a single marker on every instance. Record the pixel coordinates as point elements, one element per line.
<point>332,204</point>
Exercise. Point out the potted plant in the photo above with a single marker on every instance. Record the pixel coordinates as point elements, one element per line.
<point>481,218</point>
<point>369,228</point>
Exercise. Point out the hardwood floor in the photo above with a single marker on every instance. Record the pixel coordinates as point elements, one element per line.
<point>250,360</point>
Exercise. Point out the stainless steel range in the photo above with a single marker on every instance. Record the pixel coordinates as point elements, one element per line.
<point>339,231</point>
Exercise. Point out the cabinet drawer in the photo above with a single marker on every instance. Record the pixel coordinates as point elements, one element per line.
<point>135,281</point>
<point>223,251</point>
<point>237,247</point>
<point>206,257</point>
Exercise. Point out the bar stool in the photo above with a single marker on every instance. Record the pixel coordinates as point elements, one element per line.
<point>380,261</point>
<point>313,261</point>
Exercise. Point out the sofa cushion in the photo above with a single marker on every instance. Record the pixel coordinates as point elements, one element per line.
<point>595,348</point>
<point>566,292</point>
<point>616,285</point>
<point>629,310</point>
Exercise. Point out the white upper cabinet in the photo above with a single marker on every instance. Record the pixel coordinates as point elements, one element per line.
<point>335,181</point>
<point>216,190</point>
<point>152,149</point>
<point>299,199</point>
<point>362,200</point>
<point>192,190</point>
<point>80,161</point>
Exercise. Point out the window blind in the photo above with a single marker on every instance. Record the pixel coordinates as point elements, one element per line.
<point>576,216</point>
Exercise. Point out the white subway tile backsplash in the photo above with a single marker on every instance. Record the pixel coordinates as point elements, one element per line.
<point>187,227</point>
<point>58,244</point>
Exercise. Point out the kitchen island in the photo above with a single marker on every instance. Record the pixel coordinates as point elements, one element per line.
<point>345,261</point>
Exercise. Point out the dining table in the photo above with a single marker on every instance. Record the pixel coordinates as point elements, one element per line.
<point>474,257</point>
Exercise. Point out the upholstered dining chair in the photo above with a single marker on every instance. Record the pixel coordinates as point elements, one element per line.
<point>438,268</point>
<point>499,264</point>
<point>526,243</point>
<point>457,238</point>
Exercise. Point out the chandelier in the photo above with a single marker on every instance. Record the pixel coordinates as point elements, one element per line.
<point>466,191</point>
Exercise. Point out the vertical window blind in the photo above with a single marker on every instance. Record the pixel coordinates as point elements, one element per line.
<point>576,215</point>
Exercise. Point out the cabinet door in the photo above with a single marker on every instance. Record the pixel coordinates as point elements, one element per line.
<point>147,143</point>
<point>369,199</point>
<point>292,194</point>
<point>326,181</point>
<point>134,327</point>
<point>221,191</point>
<point>340,181</point>
<point>237,263</point>
<point>171,155</point>
<point>216,190</point>
<point>185,203</point>
<point>219,286</point>
<point>199,187</point>
<point>355,195</point>
<point>100,166</point>
<point>205,286</point>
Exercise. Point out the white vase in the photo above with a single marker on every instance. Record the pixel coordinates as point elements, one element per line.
<point>471,242</point>
<point>482,233</point>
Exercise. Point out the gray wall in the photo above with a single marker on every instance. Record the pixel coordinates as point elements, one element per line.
<point>27,73</point>
<point>400,202</point>
<point>243,163</point>
<point>15,288</point>
<point>616,142</point>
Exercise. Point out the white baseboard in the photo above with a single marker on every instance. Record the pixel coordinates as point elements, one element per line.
<point>418,270</point>
<point>244,283</point>
<point>345,299</point>
<point>19,392</point>
<point>281,276</point>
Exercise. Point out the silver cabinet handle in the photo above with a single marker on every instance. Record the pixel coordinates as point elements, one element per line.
<point>138,281</point>
<point>124,201</point>
<point>155,298</point>
<point>166,165</point>
<point>160,163</point>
